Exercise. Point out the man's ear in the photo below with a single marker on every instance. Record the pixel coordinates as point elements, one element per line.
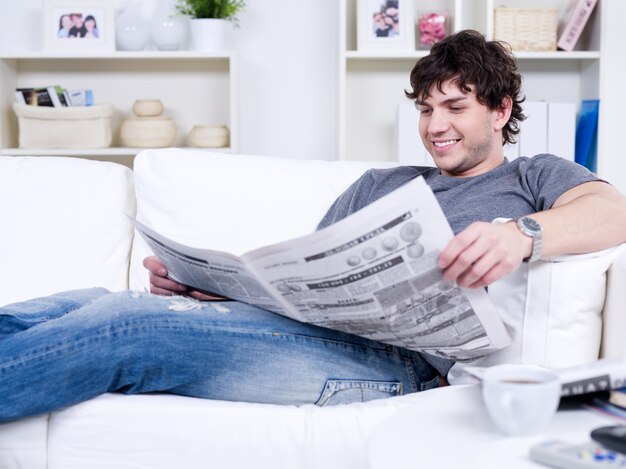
<point>503,113</point>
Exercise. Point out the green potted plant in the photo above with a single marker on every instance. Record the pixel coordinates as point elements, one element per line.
<point>209,19</point>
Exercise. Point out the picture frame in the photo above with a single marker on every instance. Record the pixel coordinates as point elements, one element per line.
<point>78,25</point>
<point>385,24</point>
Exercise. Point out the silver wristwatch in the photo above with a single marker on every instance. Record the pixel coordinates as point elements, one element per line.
<point>532,228</point>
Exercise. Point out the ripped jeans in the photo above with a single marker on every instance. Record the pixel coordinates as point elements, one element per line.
<point>66,348</point>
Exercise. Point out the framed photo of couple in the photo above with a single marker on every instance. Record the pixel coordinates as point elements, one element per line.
<point>385,24</point>
<point>70,25</point>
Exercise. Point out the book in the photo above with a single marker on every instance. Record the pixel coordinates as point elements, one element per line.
<point>372,274</point>
<point>533,136</point>
<point>66,96</point>
<point>603,406</point>
<point>409,145</point>
<point>576,17</point>
<point>587,134</point>
<point>617,397</point>
<point>34,97</point>
<point>80,97</point>
<point>562,130</point>
<point>57,96</point>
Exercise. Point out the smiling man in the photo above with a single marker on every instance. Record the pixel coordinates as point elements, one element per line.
<point>88,342</point>
<point>468,91</point>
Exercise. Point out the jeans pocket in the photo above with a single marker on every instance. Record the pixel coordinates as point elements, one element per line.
<point>430,384</point>
<point>337,391</point>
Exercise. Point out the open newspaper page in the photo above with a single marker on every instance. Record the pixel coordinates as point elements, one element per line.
<point>210,271</point>
<point>373,274</point>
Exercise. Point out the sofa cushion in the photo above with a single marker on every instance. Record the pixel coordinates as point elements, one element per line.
<point>233,203</point>
<point>613,317</point>
<point>553,310</point>
<point>24,443</point>
<point>64,225</point>
<point>161,431</point>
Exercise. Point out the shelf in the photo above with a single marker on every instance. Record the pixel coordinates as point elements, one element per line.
<point>106,152</point>
<point>371,83</point>
<point>559,55</point>
<point>385,54</point>
<point>118,55</point>
<point>196,87</point>
<point>417,54</point>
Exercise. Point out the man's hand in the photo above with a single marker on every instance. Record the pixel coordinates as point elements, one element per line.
<point>483,253</point>
<point>161,285</point>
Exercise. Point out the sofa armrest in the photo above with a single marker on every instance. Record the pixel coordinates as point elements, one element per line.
<point>614,312</point>
<point>64,225</point>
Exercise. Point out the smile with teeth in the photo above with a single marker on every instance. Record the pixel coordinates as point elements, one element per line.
<point>445,143</point>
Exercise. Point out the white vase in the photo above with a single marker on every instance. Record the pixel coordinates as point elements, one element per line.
<point>132,30</point>
<point>168,28</point>
<point>208,33</point>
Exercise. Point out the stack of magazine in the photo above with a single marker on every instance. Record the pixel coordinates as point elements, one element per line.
<point>611,403</point>
<point>54,96</point>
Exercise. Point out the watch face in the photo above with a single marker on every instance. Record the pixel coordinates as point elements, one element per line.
<point>531,224</point>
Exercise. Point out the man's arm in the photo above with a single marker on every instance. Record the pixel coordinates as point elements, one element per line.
<point>589,217</point>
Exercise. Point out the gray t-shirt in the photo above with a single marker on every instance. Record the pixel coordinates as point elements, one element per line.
<point>513,189</point>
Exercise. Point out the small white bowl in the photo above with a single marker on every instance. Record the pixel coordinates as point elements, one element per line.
<point>148,107</point>
<point>209,136</point>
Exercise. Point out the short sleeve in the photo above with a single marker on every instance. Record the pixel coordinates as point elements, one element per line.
<point>354,198</point>
<point>374,184</point>
<point>549,176</point>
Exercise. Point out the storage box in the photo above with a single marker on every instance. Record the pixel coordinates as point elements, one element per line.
<point>526,29</point>
<point>67,127</point>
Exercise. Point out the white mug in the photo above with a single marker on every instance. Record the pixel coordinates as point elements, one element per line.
<point>521,399</point>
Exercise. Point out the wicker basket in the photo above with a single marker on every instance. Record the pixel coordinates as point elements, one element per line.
<point>66,127</point>
<point>526,29</point>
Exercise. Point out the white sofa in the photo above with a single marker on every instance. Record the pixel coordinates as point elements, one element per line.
<point>65,227</point>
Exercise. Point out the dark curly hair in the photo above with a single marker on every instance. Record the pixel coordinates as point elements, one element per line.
<point>471,61</point>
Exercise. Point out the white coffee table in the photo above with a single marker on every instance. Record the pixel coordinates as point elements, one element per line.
<point>450,428</point>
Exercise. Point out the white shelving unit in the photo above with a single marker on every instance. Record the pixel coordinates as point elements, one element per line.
<point>195,88</point>
<point>372,83</point>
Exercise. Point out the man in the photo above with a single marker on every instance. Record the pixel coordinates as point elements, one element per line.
<point>468,94</point>
<point>78,28</point>
<point>90,342</point>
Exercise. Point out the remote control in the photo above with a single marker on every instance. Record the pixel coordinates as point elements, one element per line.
<point>613,437</point>
<point>582,456</point>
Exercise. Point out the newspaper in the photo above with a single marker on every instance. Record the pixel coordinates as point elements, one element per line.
<point>373,274</point>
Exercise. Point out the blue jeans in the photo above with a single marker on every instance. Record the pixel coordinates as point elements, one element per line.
<point>66,348</point>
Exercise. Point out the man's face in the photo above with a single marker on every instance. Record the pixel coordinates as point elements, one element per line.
<point>463,136</point>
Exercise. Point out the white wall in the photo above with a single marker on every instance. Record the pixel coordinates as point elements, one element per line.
<point>287,58</point>
<point>288,78</point>
<point>611,159</point>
